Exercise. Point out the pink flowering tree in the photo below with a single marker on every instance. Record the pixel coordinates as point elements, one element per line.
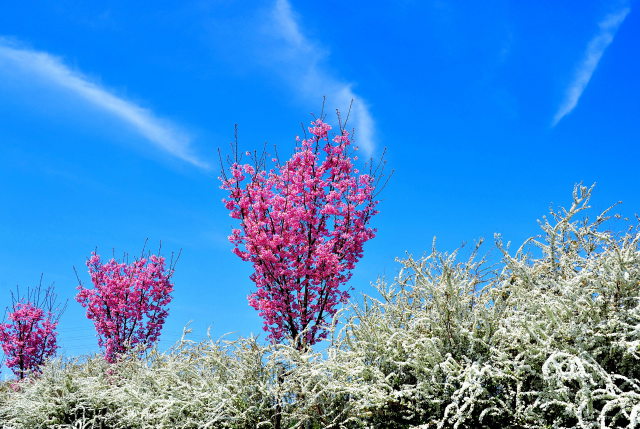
<point>303,225</point>
<point>128,302</point>
<point>28,335</point>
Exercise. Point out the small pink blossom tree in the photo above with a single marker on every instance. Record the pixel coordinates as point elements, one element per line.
<point>29,336</point>
<point>303,225</point>
<point>128,303</point>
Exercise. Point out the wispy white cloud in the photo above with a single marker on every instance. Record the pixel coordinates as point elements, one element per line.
<point>595,49</point>
<point>305,73</point>
<point>53,71</point>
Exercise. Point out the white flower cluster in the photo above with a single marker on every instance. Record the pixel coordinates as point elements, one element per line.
<point>550,337</point>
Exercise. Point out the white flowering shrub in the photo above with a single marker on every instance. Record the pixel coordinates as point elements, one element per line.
<point>544,341</point>
<point>194,385</point>
<point>548,338</point>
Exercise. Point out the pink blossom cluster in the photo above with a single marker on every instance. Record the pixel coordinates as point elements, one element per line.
<point>128,304</point>
<point>28,338</point>
<point>303,225</point>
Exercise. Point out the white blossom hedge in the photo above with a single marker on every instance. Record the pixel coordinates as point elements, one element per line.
<point>548,338</point>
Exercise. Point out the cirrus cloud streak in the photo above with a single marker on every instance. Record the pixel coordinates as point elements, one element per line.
<point>595,50</point>
<point>52,71</point>
<point>304,72</point>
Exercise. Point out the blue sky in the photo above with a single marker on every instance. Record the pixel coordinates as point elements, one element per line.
<point>111,114</point>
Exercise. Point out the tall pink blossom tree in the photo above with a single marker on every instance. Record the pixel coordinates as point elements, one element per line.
<point>28,337</point>
<point>128,302</point>
<point>303,225</point>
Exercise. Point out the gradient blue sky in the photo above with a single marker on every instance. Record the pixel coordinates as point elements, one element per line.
<point>111,114</point>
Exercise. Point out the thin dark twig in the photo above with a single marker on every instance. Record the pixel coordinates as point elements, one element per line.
<point>348,113</point>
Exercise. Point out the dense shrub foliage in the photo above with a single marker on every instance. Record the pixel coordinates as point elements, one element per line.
<point>550,337</point>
